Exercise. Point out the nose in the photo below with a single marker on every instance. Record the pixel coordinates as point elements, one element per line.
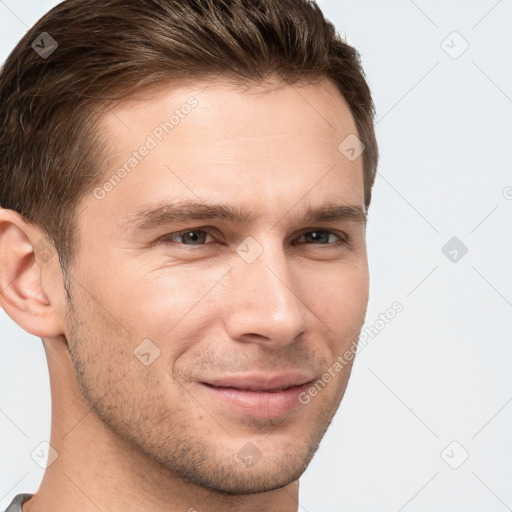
<point>265,300</point>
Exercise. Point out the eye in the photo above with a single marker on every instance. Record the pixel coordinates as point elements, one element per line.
<point>198,237</point>
<point>193,236</point>
<point>322,237</point>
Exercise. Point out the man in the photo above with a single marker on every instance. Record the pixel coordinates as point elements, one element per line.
<point>184,190</point>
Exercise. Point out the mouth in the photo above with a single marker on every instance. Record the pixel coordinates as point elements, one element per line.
<point>261,382</point>
<point>254,389</point>
<point>258,395</point>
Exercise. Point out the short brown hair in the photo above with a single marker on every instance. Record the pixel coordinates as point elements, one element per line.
<point>51,153</point>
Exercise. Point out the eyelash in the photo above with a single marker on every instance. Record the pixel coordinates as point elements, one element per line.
<point>343,237</point>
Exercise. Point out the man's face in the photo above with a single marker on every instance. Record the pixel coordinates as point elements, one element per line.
<point>239,303</point>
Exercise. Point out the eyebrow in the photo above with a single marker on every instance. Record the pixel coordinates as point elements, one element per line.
<point>151,216</point>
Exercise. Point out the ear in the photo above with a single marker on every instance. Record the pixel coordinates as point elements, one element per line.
<point>31,291</point>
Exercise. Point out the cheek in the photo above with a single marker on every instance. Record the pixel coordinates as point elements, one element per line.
<point>176,308</point>
<point>342,292</point>
<point>342,306</point>
<point>154,303</point>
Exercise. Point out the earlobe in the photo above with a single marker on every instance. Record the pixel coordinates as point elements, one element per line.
<point>25,257</point>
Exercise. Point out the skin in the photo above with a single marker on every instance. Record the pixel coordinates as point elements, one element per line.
<point>132,437</point>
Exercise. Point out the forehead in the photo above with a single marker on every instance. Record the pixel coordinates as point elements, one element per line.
<point>269,145</point>
<point>194,115</point>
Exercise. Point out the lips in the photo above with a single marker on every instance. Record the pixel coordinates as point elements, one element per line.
<point>258,395</point>
<point>259,382</point>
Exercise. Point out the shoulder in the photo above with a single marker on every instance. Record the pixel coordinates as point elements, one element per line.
<point>18,500</point>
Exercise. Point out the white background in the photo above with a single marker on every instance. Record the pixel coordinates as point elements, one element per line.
<point>440,371</point>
